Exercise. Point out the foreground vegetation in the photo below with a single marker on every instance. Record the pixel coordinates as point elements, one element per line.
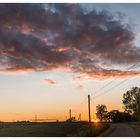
<point>51,129</point>
<point>131,105</point>
<point>136,127</point>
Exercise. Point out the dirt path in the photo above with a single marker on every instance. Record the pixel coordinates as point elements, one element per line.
<point>122,130</point>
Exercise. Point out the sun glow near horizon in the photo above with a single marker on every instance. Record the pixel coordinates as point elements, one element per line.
<point>53,55</point>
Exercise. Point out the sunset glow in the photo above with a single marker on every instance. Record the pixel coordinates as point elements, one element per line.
<point>53,55</point>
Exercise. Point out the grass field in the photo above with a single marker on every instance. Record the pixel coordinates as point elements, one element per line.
<point>51,129</point>
<point>136,127</point>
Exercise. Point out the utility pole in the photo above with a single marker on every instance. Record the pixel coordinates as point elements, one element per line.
<point>69,113</point>
<point>89,108</point>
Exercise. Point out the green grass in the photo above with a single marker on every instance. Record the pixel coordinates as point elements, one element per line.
<point>50,129</point>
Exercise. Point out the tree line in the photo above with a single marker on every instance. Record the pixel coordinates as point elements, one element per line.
<point>131,105</point>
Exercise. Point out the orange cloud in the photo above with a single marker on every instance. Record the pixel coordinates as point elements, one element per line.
<point>105,74</point>
<point>16,71</point>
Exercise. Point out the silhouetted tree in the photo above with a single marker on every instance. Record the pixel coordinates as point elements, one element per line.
<point>101,112</point>
<point>112,115</point>
<point>131,101</point>
<point>116,116</point>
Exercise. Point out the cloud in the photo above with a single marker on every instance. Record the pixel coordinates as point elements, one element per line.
<point>49,81</point>
<point>42,37</point>
<point>15,72</point>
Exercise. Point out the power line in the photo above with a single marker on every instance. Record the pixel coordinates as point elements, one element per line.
<point>133,66</point>
<point>92,101</point>
<point>111,88</point>
<point>114,79</point>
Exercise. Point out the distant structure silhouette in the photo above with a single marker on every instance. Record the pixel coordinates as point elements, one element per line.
<point>79,117</point>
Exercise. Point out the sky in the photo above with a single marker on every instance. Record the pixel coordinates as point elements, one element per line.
<point>53,55</point>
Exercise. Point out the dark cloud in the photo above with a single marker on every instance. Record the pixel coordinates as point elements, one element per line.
<point>42,37</point>
<point>19,51</point>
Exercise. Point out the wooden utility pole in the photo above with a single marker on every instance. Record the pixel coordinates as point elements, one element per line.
<point>69,113</point>
<point>89,108</point>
